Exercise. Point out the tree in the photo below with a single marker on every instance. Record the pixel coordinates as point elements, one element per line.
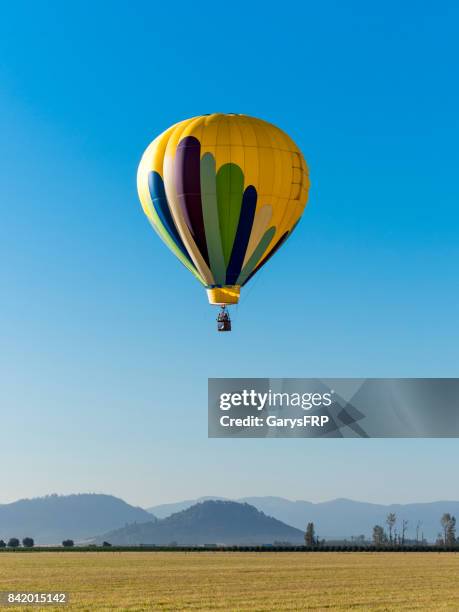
<point>418,527</point>
<point>390,522</point>
<point>451,535</point>
<point>28,543</point>
<point>379,536</point>
<point>106,544</point>
<point>404,528</point>
<point>445,519</point>
<point>68,543</point>
<point>2,544</point>
<point>448,523</point>
<point>309,537</point>
<point>13,543</point>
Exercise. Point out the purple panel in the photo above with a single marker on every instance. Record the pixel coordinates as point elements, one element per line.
<point>187,174</point>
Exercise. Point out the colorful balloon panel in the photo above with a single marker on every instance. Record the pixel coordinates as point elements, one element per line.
<point>224,192</point>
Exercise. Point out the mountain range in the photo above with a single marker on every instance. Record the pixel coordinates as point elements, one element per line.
<point>84,517</point>
<point>207,522</point>
<point>338,518</point>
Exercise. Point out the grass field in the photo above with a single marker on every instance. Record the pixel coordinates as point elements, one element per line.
<point>238,581</point>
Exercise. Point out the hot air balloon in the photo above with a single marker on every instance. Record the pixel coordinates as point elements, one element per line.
<point>224,192</point>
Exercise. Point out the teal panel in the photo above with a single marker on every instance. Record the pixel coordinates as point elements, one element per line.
<point>256,255</point>
<point>211,218</point>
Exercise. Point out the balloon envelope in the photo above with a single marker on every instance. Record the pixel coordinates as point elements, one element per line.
<point>224,192</point>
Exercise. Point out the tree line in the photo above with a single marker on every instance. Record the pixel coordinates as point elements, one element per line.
<point>30,543</point>
<point>395,535</point>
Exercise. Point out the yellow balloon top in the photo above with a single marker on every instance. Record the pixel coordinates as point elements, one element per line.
<point>224,192</point>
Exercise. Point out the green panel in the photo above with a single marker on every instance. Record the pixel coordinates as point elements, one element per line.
<point>256,255</point>
<point>230,187</point>
<point>210,213</point>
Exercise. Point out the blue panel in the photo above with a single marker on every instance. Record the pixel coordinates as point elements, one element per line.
<point>244,229</point>
<point>159,199</point>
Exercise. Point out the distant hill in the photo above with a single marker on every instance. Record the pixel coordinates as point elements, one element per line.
<point>208,522</point>
<point>53,518</point>
<point>164,510</point>
<point>343,518</point>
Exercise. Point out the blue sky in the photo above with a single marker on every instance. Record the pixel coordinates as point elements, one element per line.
<point>103,365</point>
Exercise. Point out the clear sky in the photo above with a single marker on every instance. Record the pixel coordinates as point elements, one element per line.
<point>103,363</point>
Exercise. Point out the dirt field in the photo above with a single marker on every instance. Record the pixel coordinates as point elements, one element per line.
<point>237,581</point>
